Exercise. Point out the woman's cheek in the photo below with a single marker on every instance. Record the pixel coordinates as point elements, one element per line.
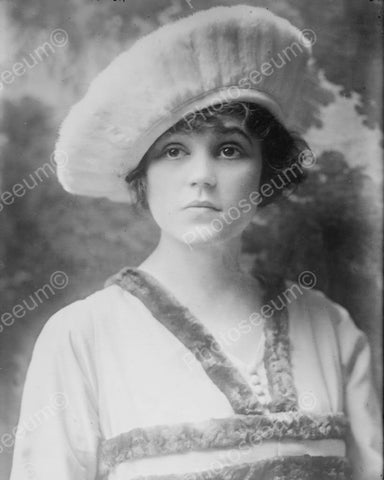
<point>158,184</point>
<point>242,185</point>
<point>162,204</point>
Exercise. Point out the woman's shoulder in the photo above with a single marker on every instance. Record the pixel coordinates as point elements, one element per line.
<point>326,315</point>
<point>78,319</point>
<point>302,293</point>
<point>313,299</point>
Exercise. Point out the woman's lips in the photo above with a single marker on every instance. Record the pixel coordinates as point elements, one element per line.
<point>203,204</point>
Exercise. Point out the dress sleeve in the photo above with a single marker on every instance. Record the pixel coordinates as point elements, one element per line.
<point>58,430</point>
<point>361,401</point>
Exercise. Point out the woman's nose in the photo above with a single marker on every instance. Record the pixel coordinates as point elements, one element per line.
<point>202,171</point>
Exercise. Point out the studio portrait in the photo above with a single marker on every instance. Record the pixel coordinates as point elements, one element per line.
<point>191,240</point>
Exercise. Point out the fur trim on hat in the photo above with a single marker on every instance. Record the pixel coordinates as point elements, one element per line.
<point>213,56</point>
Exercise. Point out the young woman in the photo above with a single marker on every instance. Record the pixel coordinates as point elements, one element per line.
<point>187,366</point>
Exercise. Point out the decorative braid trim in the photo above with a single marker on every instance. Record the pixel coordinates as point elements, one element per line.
<point>218,433</point>
<point>192,333</point>
<point>277,358</point>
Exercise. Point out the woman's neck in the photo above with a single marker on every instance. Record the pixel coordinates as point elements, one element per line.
<point>202,270</point>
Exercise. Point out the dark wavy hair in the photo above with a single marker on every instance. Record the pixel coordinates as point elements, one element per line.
<point>282,150</point>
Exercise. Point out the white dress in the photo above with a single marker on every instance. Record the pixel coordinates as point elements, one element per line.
<point>111,388</point>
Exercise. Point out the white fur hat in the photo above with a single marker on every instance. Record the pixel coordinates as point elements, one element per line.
<point>238,53</point>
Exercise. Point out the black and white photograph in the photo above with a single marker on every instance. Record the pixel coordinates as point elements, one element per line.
<point>191,239</point>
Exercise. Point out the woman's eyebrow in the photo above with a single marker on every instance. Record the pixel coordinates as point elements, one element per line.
<point>163,141</point>
<point>232,130</point>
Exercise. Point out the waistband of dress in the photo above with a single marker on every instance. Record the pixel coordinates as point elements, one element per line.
<point>274,434</point>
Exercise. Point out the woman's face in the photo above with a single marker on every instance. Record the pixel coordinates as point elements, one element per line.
<point>199,182</point>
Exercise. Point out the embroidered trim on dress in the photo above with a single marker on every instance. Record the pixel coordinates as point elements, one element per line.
<point>277,355</point>
<point>249,424</point>
<point>218,433</point>
<point>192,333</point>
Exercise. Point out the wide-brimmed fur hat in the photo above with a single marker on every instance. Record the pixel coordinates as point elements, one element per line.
<point>214,56</point>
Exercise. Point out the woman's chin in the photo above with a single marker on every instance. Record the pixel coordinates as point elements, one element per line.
<point>203,234</point>
<point>201,229</point>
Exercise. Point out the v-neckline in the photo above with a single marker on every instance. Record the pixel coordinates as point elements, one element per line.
<point>218,365</point>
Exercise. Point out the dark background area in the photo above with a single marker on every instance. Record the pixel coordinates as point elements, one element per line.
<point>331,225</point>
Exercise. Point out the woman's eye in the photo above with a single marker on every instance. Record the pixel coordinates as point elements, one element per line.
<point>174,152</point>
<point>230,151</point>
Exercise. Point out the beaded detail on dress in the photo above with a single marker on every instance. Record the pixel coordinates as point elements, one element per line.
<point>256,377</point>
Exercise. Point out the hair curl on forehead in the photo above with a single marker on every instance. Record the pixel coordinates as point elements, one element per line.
<point>215,116</point>
<point>280,148</point>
